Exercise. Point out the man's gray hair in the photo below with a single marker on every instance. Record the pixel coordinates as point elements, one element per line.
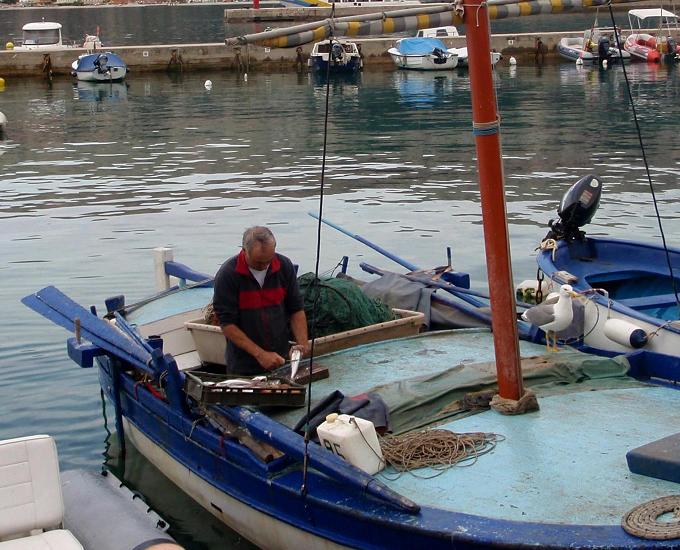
<point>258,234</point>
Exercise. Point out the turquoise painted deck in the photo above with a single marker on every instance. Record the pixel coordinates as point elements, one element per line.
<point>564,464</point>
<point>357,370</point>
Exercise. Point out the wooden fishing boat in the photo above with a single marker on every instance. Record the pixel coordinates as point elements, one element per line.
<point>247,470</point>
<point>628,296</point>
<point>538,487</point>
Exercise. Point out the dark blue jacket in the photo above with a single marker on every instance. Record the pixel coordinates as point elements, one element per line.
<point>261,313</point>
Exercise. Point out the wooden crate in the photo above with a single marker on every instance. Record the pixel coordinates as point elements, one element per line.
<point>211,343</point>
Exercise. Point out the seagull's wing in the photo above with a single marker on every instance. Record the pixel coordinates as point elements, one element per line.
<point>540,315</point>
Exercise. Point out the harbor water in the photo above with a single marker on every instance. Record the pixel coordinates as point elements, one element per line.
<point>93,177</point>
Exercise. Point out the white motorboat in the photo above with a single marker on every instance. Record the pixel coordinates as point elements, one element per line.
<point>448,31</point>
<point>344,56</point>
<point>462,54</point>
<point>425,54</point>
<point>42,36</point>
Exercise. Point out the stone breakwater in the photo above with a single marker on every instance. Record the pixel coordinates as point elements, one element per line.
<point>217,56</point>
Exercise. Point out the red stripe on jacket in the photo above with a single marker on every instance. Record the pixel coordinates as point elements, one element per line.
<point>256,299</point>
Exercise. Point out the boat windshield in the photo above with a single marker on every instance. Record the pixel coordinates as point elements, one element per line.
<point>323,48</point>
<point>41,37</point>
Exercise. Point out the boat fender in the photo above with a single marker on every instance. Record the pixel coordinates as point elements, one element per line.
<point>579,61</point>
<point>208,84</point>
<point>512,61</point>
<point>625,333</point>
<point>94,502</point>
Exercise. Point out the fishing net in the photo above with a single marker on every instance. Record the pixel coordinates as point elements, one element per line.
<point>337,305</point>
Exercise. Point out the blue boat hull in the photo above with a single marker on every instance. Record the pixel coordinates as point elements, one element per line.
<point>321,65</point>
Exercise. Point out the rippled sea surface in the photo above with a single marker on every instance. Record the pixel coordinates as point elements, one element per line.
<point>93,177</point>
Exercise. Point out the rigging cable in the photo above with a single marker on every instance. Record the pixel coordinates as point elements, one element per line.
<point>644,156</point>
<point>305,463</point>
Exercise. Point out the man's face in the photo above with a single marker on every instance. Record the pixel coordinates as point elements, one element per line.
<point>260,256</point>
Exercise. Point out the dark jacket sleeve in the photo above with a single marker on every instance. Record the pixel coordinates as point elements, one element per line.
<point>294,301</point>
<point>225,295</point>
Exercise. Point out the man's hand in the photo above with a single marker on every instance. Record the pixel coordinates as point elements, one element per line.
<point>269,360</point>
<point>304,349</point>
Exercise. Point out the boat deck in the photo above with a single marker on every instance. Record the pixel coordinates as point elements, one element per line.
<point>565,463</point>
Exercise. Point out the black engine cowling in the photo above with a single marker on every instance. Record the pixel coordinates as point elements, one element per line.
<point>603,46</point>
<point>577,208</point>
<point>337,52</point>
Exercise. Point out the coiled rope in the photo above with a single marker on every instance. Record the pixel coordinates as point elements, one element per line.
<point>436,449</point>
<point>643,520</point>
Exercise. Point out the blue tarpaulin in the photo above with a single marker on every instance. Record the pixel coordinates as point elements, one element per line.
<point>419,46</point>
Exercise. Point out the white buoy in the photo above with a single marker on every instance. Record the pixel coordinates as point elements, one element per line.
<point>245,77</point>
<point>512,61</point>
<point>625,333</point>
<point>605,63</point>
<point>579,61</point>
<point>208,84</point>
<point>3,123</point>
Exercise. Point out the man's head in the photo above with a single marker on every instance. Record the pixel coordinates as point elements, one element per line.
<point>259,245</point>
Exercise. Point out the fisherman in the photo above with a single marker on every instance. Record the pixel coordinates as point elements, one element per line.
<point>258,304</point>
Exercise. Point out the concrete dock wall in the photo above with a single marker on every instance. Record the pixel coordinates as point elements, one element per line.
<point>196,57</point>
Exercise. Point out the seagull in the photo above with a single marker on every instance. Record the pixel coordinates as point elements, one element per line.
<point>553,315</point>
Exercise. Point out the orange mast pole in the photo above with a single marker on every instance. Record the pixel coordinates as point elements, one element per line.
<point>486,129</point>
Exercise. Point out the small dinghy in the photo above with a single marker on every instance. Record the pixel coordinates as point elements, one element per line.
<point>99,67</point>
<point>425,54</point>
<point>75,510</point>
<point>650,48</point>
<point>593,47</point>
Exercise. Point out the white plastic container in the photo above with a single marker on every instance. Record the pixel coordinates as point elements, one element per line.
<point>353,439</point>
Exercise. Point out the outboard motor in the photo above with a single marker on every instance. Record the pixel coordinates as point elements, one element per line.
<point>577,208</point>
<point>337,53</point>
<point>603,46</point>
<point>102,64</point>
<point>439,56</point>
<point>672,48</point>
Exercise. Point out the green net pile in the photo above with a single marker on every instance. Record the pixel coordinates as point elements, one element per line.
<point>340,305</point>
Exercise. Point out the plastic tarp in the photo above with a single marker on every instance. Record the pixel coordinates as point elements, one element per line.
<point>421,401</point>
<point>87,62</point>
<point>419,46</point>
<point>399,292</point>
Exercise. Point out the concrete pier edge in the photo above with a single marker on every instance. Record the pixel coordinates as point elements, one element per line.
<point>217,56</point>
